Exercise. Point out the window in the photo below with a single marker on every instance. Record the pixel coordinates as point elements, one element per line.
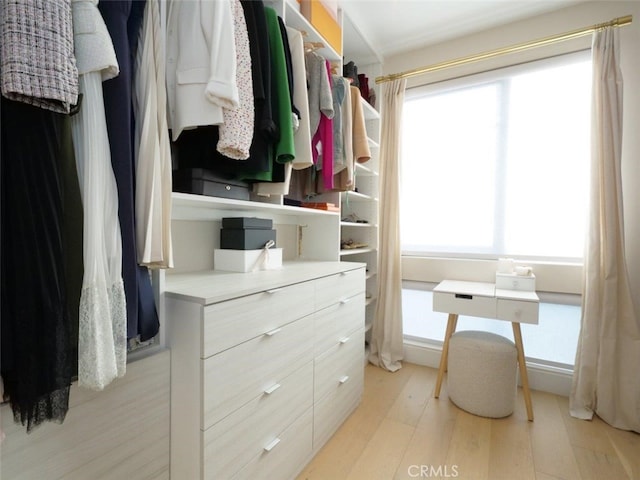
<point>497,164</point>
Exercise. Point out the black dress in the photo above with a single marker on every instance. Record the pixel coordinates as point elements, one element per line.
<point>37,344</point>
<point>124,19</point>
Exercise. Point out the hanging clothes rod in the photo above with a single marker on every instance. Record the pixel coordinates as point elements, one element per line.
<point>581,32</point>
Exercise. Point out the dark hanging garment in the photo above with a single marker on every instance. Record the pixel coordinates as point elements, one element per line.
<point>266,130</point>
<point>36,340</point>
<point>277,100</point>
<point>124,19</point>
<point>258,165</point>
<point>41,209</point>
<point>289,65</point>
<point>284,150</point>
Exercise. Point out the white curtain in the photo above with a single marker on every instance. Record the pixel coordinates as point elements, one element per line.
<point>606,378</point>
<point>386,332</point>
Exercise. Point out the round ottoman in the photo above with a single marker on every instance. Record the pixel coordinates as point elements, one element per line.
<point>482,370</point>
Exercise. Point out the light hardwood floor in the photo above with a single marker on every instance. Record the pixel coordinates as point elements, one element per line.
<point>400,431</point>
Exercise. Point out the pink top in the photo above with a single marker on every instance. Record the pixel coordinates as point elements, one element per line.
<point>324,136</point>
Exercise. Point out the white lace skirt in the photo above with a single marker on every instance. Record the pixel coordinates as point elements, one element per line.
<point>102,332</point>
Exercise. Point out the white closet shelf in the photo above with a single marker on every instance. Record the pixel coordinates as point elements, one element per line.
<point>358,225</point>
<point>361,169</point>
<point>370,113</point>
<point>355,251</point>
<point>187,206</point>
<point>372,143</point>
<point>296,20</point>
<point>358,197</point>
<point>370,301</point>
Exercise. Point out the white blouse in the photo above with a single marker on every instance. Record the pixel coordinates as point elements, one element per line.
<point>102,330</point>
<point>201,63</point>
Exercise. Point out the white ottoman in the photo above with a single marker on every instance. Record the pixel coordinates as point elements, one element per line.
<point>482,370</point>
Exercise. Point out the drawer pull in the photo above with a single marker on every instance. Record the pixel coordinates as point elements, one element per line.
<point>464,296</point>
<point>272,389</point>
<point>344,380</point>
<point>273,332</point>
<point>344,340</point>
<point>347,272</point>
<point>274,290</point>
<point>344,301</point>
<point>271,445</point>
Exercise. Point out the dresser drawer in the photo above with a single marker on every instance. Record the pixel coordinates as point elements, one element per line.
<point>338,287</point>
<point>335,367</point>
<point>281,457</point>
<point>234,441</point>
<point>331,410</point>
<point>518,311</point>
<point>236,376</point>
<point>334,323</point>
<point>462,304</point>
<point>229,323</point>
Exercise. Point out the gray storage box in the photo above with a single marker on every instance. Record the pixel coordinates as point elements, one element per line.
<point>245,239</point>
<point>247,222</point>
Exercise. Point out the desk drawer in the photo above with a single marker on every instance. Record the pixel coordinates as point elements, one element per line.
<point>234,377</point>
<point>237,439</point>
<point>517,311</point>
<point>473,305</point>
<point>229,323</point>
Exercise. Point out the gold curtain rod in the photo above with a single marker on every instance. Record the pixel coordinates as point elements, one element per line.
<point>616,22</point>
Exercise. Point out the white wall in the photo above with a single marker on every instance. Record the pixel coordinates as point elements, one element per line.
<point>581,15</point>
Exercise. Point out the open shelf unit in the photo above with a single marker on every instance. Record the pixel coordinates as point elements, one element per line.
<point>363,204</point>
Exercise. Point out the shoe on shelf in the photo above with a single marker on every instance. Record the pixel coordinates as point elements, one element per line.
<point>353,218</point>
<point>350,244</point>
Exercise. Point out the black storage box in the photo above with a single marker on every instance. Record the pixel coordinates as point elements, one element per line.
<point>247,222</point>
<point>205,182</point>
<point>245,239</point>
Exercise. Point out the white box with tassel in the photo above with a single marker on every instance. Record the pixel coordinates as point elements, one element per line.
<point>247,260</point>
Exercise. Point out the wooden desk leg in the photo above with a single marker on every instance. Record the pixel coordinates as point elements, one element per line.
<point>451,327</point>
<point>517,335</point>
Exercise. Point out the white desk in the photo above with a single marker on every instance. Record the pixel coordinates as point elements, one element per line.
<point>478,299</point>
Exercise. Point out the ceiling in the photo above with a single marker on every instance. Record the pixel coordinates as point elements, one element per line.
<point>394,26</point>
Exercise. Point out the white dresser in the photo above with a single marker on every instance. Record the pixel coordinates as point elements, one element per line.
<point>265,366</point>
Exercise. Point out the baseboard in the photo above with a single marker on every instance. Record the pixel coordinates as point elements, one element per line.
<point>541,377</point>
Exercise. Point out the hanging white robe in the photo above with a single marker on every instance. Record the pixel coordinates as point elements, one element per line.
<point>153,154</point>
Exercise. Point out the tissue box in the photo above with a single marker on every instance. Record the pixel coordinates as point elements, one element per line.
<point>245,260</point>
<point>512,281</point>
